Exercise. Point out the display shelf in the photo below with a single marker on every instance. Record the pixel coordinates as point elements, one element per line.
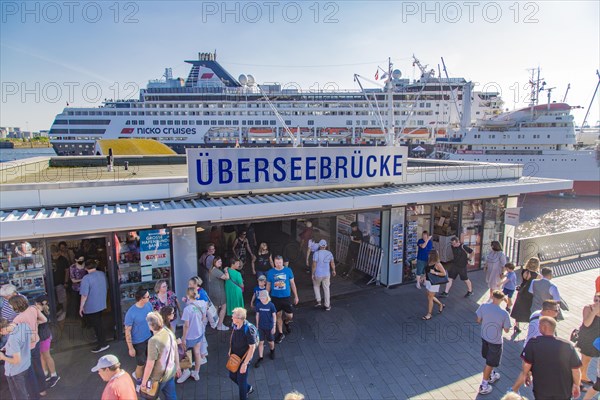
<point>129,284</point>
<point>22,271</point>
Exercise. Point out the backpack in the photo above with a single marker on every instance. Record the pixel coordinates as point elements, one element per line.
<point>202,261</point>
<point>253,331</point>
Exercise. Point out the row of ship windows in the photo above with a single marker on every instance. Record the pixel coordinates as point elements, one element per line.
<point>258,122</point>
<point>493,136</point>
<point>249,113</point>
<point>150,104</point>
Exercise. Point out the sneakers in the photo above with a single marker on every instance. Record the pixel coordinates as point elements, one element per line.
<point>469,294</point>
<point>328,308</point>
<point>418,284</point>
<point>222,328</point>
<point>494,377</point>
<point>48,377</point>
<point>53,381</point>
<point>195,375</point>
<point>138,384</point>
<point>99,349</point>
<point>318,305</point>
<point>203,360</point>
<point>443,294</point>
<point>272,354</point>
<point>250,391</point>
<point>279,338</point>
<point>485,389</point>
<point>257,363</point>
<point>184,375</point>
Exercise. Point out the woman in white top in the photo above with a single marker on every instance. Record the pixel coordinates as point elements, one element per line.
<point>494,264</point>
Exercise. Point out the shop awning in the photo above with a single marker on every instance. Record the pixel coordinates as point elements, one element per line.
<point>80,219</point>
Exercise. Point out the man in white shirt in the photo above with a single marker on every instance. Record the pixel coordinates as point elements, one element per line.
<point>323,267</point>
<point>550,308</point>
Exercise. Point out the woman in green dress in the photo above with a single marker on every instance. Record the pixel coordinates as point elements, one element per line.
<point>234,286</point>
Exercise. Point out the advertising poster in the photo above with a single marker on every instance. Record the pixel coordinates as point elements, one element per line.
<point>155,250</point>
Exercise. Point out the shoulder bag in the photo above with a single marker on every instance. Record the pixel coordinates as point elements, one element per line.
<point>150,391</point>
<point>234,361</point>
<point>437,279</point>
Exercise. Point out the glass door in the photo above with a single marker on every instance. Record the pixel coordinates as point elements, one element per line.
<point>472,229</point>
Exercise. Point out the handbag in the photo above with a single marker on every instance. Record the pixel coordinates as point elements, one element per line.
<point>150,390</point>
<point>185,358</point>
<point>437,279</point>
<point>234,361</point>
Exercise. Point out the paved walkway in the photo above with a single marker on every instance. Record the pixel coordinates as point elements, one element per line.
<point>372,345</point>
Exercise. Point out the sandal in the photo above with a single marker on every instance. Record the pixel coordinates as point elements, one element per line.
<point>442,306</point>
<point>426,317</point>
<point>589,383</point>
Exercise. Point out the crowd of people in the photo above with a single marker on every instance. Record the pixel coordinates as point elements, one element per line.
<point>551,364</point>
<point>166,356</point>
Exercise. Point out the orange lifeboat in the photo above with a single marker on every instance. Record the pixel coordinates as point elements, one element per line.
<point>415,131</point>
<point>335,132</point>
<point>373,132</point>
<point>261,132</point>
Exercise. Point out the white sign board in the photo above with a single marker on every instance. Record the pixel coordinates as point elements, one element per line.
<point>251,169</point>
<point>512,216</point>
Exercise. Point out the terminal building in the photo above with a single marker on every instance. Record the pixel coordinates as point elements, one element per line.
<point>150,218</point>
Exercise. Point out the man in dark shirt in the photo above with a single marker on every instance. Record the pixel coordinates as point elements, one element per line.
<point>554,365</point>
<point>460,254</point>
<point>356,238</point>
<point>243,344</point>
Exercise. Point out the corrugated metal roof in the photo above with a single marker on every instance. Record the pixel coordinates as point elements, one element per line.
<point>259,199</point>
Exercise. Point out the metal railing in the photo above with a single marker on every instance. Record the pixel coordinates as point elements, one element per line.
<point>368,261</point>
<point>554,247</point>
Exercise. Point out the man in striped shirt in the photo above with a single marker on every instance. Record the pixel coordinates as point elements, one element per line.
<point>7,291</point>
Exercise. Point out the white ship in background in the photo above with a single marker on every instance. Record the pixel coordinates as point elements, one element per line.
<point>211,108</point>
<point>542,137</point>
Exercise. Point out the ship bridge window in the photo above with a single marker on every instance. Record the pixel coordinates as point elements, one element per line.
<point>61,122</point>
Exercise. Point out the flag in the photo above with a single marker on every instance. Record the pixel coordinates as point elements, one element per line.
<point>377,75</point>
<point>384,76</point>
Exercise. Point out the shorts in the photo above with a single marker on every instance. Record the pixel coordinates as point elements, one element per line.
<point>283,304</point>
<point>141,353</point>
<point>508,292</point>
<point>190,343</point>
<point>491,352</point>
<point>421,264</point>
<point>45,345</point>
<point>265,335</point>
<point>431,288</point>
<point>454,272</point>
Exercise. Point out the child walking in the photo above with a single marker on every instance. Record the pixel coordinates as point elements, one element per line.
<point>266,316</point>
<point>262,286</point>
<point>509,284</point>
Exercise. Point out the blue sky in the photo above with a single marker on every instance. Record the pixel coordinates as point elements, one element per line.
<point>50,54</point>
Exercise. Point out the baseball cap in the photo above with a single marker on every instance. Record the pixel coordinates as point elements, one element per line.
<point>106,361</point>
<point>262,278</point>
<point>323,243</point>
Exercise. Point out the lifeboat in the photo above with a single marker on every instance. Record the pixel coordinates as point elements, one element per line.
<point>261,132</point>
<point>335,132</point>
<point>374,133</point>
<point>415,131</point>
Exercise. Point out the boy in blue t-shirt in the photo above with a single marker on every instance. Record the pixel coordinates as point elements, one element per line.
<point>266,316</point>
<point>262,286</point>
<point>509,284</point>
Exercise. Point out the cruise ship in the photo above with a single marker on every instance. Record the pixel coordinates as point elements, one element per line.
<point>212,109</point>
<point>541,137</point>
